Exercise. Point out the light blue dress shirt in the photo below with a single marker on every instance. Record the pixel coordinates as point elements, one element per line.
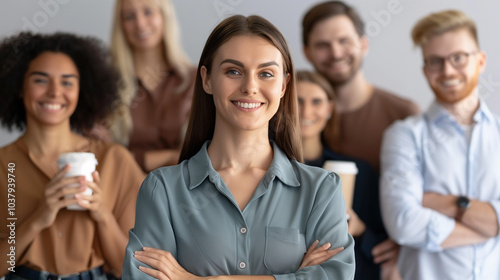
<point>189,211</point>
<point>431,153</point>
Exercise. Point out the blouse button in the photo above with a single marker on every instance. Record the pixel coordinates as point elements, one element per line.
<point>243,230</point>
<point>243,265</point>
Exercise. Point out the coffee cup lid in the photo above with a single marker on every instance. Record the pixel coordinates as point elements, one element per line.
<point>75,157</point>
<point>343,167</point>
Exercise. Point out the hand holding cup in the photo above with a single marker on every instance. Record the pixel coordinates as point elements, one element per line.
<point>81,164</point>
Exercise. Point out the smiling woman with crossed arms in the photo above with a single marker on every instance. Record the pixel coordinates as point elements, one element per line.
<point>240,202</point>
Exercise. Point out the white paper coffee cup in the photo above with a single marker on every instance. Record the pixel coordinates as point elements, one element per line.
<point>347,171</point>
<point>81,164</point>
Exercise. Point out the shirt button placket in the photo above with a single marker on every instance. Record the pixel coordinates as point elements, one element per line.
<point>242,244</point>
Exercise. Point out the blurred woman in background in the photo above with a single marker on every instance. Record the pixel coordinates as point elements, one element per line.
<point>157,81</point>
<point>317,110</point>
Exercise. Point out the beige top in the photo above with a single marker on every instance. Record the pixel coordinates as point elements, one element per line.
<point>361,131</point>
<point>71,243</point>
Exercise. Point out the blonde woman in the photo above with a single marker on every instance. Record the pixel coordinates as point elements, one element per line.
<point>157,81</point>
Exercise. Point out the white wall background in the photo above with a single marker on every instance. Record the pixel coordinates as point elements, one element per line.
<point>392,62</point>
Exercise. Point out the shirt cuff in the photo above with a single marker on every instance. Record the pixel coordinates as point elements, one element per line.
<point>439,228</point>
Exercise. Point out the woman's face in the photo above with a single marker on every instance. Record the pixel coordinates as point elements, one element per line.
<point>314,107</point>
<point>246,81</point>
<point>142,22</point>
<point>50,90</point>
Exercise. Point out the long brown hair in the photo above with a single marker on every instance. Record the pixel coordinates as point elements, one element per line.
<point>284,125</point>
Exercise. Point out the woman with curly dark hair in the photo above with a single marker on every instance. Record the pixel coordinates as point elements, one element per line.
<point>55,87</point>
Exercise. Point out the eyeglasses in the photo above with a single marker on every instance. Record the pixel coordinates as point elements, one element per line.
<point>458,60</point>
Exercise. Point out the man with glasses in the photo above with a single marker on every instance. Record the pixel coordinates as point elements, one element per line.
<point>440,185</point>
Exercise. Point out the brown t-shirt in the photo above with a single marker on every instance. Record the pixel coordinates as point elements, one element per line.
<point>71,243</point>
<point>158,116</point>
<point>360,131</point>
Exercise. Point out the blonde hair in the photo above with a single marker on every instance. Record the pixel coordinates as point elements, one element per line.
<point>442,22</point>
<point>121,120</point>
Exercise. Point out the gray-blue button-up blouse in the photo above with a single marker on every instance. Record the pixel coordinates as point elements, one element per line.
<point>189,211</point>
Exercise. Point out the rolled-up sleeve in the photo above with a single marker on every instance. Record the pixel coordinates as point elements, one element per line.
<point>152,227</point>
<point>327,223</point>
<point>401,192</point>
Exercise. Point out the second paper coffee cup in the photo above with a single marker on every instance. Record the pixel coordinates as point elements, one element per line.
<point>347,171</point>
